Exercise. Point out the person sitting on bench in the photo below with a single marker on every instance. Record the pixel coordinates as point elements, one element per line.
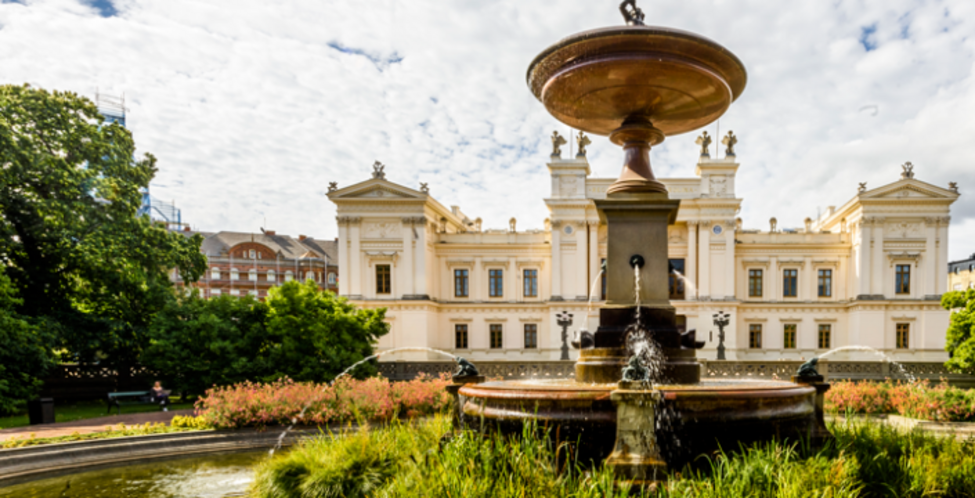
<point>160,395</point>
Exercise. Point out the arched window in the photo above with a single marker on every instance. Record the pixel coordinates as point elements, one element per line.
<point>252,275</point>
<point>234,274</point>
<point>289,276</point>
<point>271,276</point>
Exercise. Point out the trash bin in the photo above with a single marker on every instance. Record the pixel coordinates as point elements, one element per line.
<point>40,411</point>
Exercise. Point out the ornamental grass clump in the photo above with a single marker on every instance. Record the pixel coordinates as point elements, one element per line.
<point>921,400</point>
<point>254,404</point>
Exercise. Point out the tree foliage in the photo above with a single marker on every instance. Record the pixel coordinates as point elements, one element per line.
<point>25,352</point>
<point>960,341</point>
<point>300,332</point>
<point>77,254</point>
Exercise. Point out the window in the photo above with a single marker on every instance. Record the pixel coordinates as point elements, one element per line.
<point>825,283</point>
<point>460,283</point>
<point>252,275</point>
<point>289,276</point>
<point>676,279</point>
<point>496,336</point>
<point>531,336</point>
<point>754,283</point>
<point>234,275</point>
<point>214,292</point>
<point>310,275</point>
<point>825,340</point>
<point>495,283</point>
<point>215,274</point>
<point>271,277</point>
<point>252,293</point>
<point>790,287</point>
<point>903,335</point>
<point>331,279</point>
<point>755,335</point>
<point>234,292</point>
<point>383,283</point>
<point>460,336</point>
<point>903,283</point>
<point>789,336</point>
<point>253,254</point>
<point>531,283</point>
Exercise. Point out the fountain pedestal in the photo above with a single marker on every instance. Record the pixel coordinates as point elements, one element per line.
<point>818,434</point>
<point>453,389</point>
<point>636,455</point>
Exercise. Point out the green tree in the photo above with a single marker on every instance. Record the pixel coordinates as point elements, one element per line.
<point>78,255</point>
<point>196,343</point>
<point>314,335</point>
<point>25,352</point>
<point>960,341</point>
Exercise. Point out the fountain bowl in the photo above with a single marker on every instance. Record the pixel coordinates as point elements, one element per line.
<point>596,80</point>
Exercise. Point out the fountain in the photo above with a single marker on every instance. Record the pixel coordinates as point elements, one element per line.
<point>638,84</point>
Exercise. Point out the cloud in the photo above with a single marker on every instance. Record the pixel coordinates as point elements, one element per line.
<point>252,107</point>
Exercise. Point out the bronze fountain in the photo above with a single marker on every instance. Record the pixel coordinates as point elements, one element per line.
<point>639,84</point>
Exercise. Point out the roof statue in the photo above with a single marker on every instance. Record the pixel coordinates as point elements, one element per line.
<point>633,15</point>
<point>424,188</point>
<point>511,224</point>
<point>333,186</point>
<point>377,170</point>
<point>705,142</point>
<point>729,142</point>
<point>862,188</point>
<point>908,172</point>
<point>583,141</point>
<point>953,186</point>
<point>772,223</point>
<point>557,142</point>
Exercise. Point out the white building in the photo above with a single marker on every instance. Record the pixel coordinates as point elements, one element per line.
<point>867,273</point>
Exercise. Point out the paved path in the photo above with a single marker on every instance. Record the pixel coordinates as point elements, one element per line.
<point>89,425</point>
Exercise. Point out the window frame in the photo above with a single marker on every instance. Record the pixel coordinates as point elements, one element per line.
<point>529,282</point>
<point>384,279</point>
<point>824,280</point>
<point>790,331</point>
<point>826,328</point>
<point>902,279</point>
<point>902,338</point>
<point>531,331</point>
<point>794,277</point>
<point>754,336</point>
<point>495,282</point>
<point>271,276</point>
<point>466,278</point>
<point>756,279</point>
<point>461,328</point>
<point>492,329</point>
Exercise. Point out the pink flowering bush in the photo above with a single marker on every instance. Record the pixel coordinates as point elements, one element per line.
<point>250,404</point>
<point>919,400</point>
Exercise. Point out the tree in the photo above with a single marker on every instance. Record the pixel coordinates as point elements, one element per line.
<point>25,352</point>
<point>78,255</point>
<point>960,341</point>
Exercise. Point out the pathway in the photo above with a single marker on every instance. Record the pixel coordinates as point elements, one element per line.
<point>89,425</point>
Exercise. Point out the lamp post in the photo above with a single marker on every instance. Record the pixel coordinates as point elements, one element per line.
<point>721,321</point>
<point>564,320</point>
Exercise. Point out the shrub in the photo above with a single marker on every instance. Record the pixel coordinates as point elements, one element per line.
<point>285,401</point>
<point>195,423</point>
<point>919,400</point>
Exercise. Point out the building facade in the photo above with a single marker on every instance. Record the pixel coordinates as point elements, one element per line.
<point>868,273</point>
<point>252,263</point>
<point>961,274</point>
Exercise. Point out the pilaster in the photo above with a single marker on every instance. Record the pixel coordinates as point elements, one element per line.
<point>556,244</point>
<point>690,266</point>
<point>704,261</point>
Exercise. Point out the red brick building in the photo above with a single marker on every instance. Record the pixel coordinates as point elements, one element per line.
<point>251,263</point>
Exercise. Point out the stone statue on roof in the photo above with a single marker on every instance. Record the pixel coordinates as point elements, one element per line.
<point>557,142</point>
<point>705,142</point>
<point>908,172</point>
<point>729,142</point>
<point>583,141</point>
<point>377,170</point>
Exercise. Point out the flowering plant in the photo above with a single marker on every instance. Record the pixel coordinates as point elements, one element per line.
<point>920,400</point>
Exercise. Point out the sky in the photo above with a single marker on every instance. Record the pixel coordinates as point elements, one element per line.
<point>253,106</point>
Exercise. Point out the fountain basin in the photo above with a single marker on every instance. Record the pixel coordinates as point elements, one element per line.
<point>693,419</point>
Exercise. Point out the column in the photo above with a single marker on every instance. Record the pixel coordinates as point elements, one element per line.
<point>344,249</point>
<point>593,226</point>
<point>355,258</point>
<point>407,275</point>
<point>863,259</point>
<point>421,279</point>
<point>930,258</point>
<point>941,284</point>
<point>877,284</point>
<point>729,253</point>
<point>704,279</point>
<point>581,260</point>
<point>556,260</point>
<point>773,279</point>
<point>690,266</point>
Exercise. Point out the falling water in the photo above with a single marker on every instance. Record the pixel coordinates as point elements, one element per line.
<point>592,292</point>
<point>301,416</point>
<point>638,339</point>
<point>868,349</point>
<point>688,285</point>
<point>636,290</point>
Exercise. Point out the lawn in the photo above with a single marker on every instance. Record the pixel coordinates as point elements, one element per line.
<point>69,412</point>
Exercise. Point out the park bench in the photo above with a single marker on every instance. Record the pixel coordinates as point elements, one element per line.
<point>130,398</point>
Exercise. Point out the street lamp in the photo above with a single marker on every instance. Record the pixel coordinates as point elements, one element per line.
<point>721,321</point>
<point>564,320</point>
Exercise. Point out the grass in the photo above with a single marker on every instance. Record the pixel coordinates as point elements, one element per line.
<point>409,459</point>
<point>119,430</point>
<point>69,412</point>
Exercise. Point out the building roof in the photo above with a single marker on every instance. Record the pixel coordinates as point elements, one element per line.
<point>962,264</point>
<point>220,243</point>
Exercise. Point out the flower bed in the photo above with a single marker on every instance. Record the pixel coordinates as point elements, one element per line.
<point>279,403</point>
<point>920,400</point>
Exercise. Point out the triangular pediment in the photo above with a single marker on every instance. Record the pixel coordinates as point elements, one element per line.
<point>376,189</point>
<point>909,189</point>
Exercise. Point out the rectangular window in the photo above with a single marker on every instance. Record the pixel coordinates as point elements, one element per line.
<point>495,283</point>
<point>531,336</point>
<point>215,274</point>
<point>755,336</point>
<point>234,275</point>
<point>825,331</point>
<point>383,279</point>
<point>903,335</point>
<point>825,283</point>
<point>754,283</point>
<point>676,282</point>
<point>271,277</point>
<point>790,283</point>
<point>496,336</point>
<point>903,283</point>
<point>789,336</point>
<point>331,279</point>
<point>460,336</point>
<point>461,282</point>
<point>531,283</point>
<point>234,292</point>
<point>214,292</point>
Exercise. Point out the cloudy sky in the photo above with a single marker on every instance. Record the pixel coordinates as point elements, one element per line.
<point>253,106</point>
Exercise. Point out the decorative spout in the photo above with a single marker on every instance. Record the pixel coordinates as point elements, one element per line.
<point>465,369</point>
<point>635,372</point>
<point>636,261</point>
<point>808,369</point>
